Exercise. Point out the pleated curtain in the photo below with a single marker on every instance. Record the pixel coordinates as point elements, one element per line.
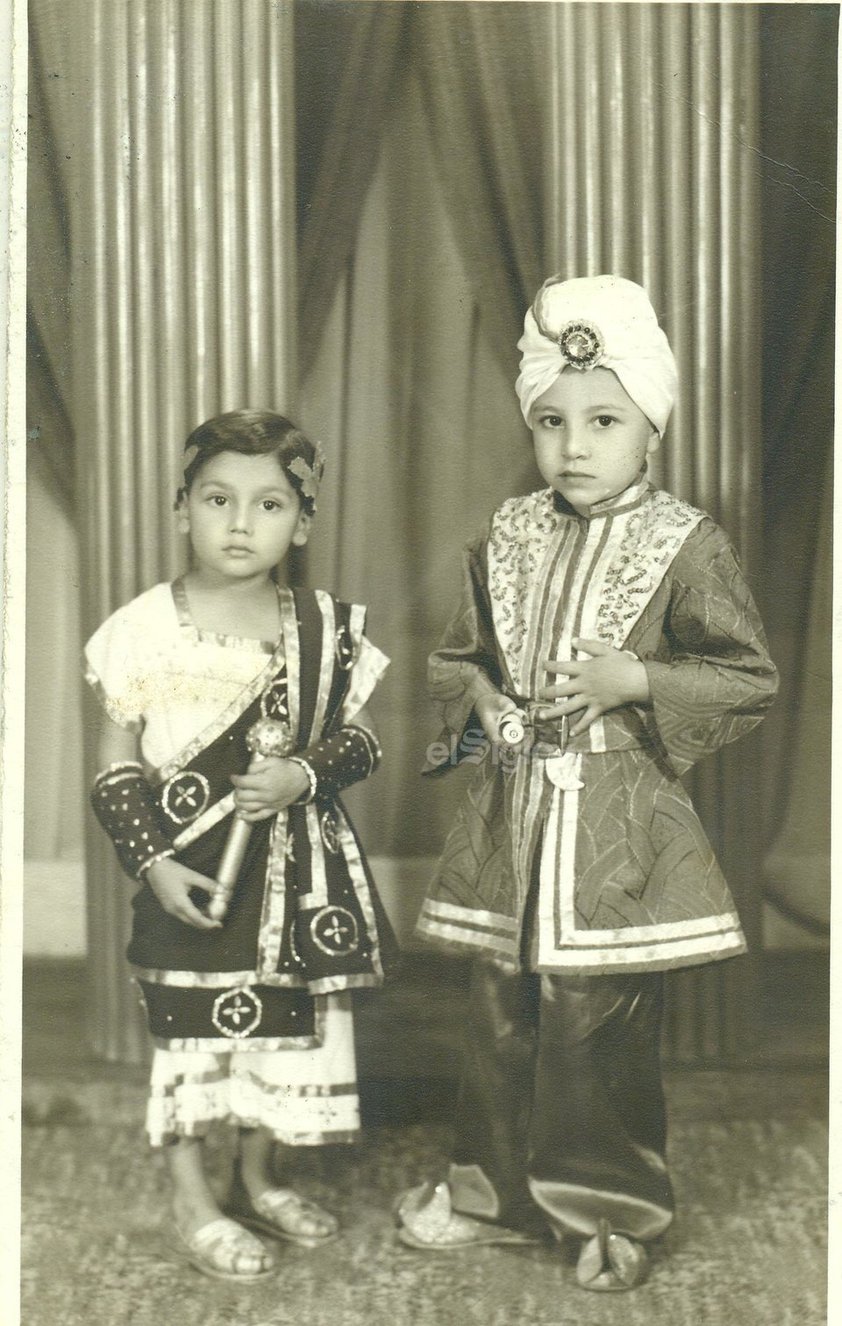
<point>630,131</point>
<point>350,57</point>
<point>798,200</point>
<point>53,808</point>
<point>183,224</point>
<point>548,137</point>
<point>651,170</point>
<point>484,100</point>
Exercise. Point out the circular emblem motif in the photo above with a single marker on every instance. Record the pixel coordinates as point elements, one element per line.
<point>334,931</point>
<point>330,837</point>
<point>274,700</point>
<point>236,1013</point>
<point>581,344</point>
<point>185,796</point>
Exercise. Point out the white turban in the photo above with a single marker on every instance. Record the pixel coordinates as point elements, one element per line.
<point>592,321</point>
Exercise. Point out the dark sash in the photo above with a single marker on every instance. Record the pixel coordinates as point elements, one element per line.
<point>331,945</point>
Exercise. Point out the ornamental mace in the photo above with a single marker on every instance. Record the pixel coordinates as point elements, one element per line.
<point>268,736</point>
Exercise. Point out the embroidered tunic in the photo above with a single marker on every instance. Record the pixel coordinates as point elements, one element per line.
<point>304,919</point>
<point>627,879</point>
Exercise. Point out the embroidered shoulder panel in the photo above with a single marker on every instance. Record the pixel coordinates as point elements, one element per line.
<point>521,531</point>
<point>652,535</point>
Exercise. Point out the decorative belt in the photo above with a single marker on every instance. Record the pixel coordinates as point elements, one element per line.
<point>548,741</point>
<point>520,723</point>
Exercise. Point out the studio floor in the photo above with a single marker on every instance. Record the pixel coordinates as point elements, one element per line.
<point>748,1154</point>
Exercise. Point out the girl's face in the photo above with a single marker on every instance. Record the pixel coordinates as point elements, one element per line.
<point>591,440</point>
<point>242,515</point>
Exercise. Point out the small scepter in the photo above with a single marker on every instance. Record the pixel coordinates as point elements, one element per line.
<point>268,736</point>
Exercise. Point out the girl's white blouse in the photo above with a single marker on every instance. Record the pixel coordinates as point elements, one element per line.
<point>158,675</point>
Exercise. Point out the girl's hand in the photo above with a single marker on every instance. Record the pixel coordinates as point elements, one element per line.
<point>171,883</point>
<point>272,785</point>
<point>489,710</point>
<point>606,680</point>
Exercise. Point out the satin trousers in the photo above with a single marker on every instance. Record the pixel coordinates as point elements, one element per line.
<point>561,1118</point>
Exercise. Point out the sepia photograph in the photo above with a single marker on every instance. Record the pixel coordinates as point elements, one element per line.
<point>422,713</point>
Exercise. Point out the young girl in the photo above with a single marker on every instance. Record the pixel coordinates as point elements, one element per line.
<point>247,996</point>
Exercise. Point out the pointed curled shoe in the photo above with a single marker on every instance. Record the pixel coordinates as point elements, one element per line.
<point>611,1262</point>
<point>428,1222</point>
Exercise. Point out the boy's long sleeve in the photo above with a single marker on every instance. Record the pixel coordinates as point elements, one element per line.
<point>719,679</point>
<point>464,667</point>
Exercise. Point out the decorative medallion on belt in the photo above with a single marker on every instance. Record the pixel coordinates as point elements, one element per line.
<point>236,1013</point>
<point>334,931</point>
<point>581,344</point>
<point>343,649</point>
<point>185,796</point>
<point>274,702</point>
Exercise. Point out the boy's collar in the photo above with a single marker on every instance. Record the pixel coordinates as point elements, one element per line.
<point>629,497</point>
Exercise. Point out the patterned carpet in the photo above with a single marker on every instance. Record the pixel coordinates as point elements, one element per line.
<point>749,1162</point>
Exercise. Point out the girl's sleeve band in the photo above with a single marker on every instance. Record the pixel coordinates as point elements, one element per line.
<point>124,804</point>
<point>338,761</point>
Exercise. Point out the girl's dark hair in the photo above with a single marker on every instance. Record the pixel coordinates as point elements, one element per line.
<point>253,433</point>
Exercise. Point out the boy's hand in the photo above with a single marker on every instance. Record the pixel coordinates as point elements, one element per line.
<point>489,710</point>
<point>271,785</point>
<point>171,883</point>
<point>606,680</point>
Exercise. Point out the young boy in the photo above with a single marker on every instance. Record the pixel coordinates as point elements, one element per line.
<point>605,632</point>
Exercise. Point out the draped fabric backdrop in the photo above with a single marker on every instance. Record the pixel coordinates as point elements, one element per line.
<point>53,821</point>
<point>659,185</point>
<point>636,125</point>
<point>179,121</point>
<point>799,230</point>
<point>450,156</point>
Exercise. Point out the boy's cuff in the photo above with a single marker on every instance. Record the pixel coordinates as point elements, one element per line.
<point>482,686</point>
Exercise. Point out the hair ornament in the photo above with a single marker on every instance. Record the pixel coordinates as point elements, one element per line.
<point>190,454</point>
<point>309,475</point>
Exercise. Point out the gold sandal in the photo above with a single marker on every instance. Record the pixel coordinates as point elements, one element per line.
<point>284,1214</point>
<point>215,1248</point>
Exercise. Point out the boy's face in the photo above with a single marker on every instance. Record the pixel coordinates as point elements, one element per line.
<point>242,515</point>
<point>591,440</point>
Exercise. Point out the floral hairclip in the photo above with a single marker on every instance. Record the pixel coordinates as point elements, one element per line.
<point>309,475</point>
<point>189,456</point>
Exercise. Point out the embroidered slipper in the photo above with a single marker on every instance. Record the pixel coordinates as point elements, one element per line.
<point>216,1248</point>
<point>284,1214</point>
<point>611,1262</point>
<point>428,1222</point>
